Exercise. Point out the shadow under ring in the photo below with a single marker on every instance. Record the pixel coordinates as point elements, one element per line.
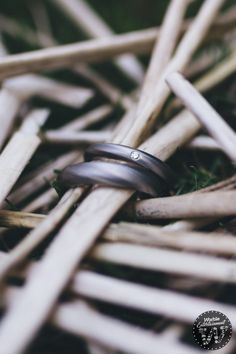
<point>114,175</point>
<point>134,156</point>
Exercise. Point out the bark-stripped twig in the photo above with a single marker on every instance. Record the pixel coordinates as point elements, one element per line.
<point>86,18</point>
<point>19,150</point>
<point>205,113</point>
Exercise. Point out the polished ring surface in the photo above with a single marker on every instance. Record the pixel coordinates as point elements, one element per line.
<point>135,156</point>
<point>114,175</point>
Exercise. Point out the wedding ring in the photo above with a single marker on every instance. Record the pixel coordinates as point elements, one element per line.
<point>113,175</point>
<point>134,156</point>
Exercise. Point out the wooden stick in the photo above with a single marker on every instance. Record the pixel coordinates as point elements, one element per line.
<point>66,55</point>
<point>37,235</point>
<point>19,219</point>
<point>223,23</point>
<point>142,234</point>
<point>92,50</point>
<point>15,29</point>
<point>110,91</point>
<point>95,327</point>
<point>187,225</point>
<point>226,184</point>
<point>72,137</point>
<point>218,74</point>
<point>209,58</point>
<point>26,86</point>
<point>103,203</point>
<point>19,150</point>
<point>95,116</point>
<point>202,110</point>
<point>85,17</point>
<point>10,105</point>
<point>202,205</point>
<point>148,235</point>
<point>162,53</point>
<point>167,303</point>
<point>41,176</point>
<point>98,349</point>
<point>113,94</point>
<point>42,23</point>
<point>190,41</point>
<point>173,262</point>
<point>123,336</point>
<point>18,89</point>
<point>203,142</point>
<point>44,200</point>
<point>180,307</point>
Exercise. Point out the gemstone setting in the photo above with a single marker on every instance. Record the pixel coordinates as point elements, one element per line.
<point>134,155</point>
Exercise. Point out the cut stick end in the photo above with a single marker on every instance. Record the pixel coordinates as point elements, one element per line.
<point>172,77</point>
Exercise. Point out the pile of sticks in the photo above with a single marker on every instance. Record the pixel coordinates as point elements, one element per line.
<point>54,249</point>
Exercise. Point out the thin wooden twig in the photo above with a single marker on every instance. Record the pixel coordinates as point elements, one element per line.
<point>123,336</point>
<point>42,23</point>
<point>191,224</point>
<point>37,235</point>
<point>42,176</point>
<point>162,53</point>
<point>149,235</point>
<point>223,23</point>
<point>205,113</point>
<point>15,29</point>
<point>202,205</point>
<point>72,137</point>
<point>93,50</point>
<point>19,150</point>
<point>113,94</point>
<point>10,105</point>
<point>188,225</point>
<point>95,116</point>
<point>16,90</point>
<point>190,41</point>
<point>180,307</point>
<point>95,327</point>
<point>85,17</point>
<point>168,261</point>
<point>19,219</point>
<point>218,74</point>
<point>203,142</point>
<point>46,40</point>
<point>66,55</point>
<point>44,200</point>
<point>142,234</point>
<point>26,86</point>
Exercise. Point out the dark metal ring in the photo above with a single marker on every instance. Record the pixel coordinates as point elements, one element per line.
<point>136,156</point>
<point>114,175</point>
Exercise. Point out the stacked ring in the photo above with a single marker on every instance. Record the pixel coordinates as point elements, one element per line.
<point>142,172</point>
<point>139,157</point>
<point>113,175</point>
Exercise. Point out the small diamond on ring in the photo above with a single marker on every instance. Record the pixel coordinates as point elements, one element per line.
<point>134,155</point>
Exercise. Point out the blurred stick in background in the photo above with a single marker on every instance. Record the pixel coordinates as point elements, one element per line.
<point>205,113</point>
<point>93,25</point>
<point>20,149</point>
